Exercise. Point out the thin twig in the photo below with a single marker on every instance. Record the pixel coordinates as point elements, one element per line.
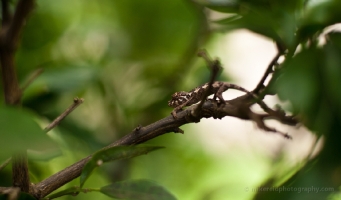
<point>4,164</point>
<point>203,53</point>
<point>33,76</point>
<point>23,9</point>
<point>215,67</point>
<point>268,71</point>
<point>76,102</point>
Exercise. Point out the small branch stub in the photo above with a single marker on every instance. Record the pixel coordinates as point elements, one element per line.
<point>76,102</point>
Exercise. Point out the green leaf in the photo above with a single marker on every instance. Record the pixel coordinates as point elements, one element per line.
<point>69,191</point>
<point>74,191</point>
<point>20,132</point>
<point>309,81</point>
<point>299,80</point>
<point>111,154</point>
<point>137,189</point>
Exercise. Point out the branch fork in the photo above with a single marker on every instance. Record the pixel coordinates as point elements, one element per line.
<point>242,104</point>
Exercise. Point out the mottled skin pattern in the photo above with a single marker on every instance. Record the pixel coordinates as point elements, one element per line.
<point>182,99</point>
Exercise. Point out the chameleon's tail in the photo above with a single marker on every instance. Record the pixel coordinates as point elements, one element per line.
<point>259,101</point>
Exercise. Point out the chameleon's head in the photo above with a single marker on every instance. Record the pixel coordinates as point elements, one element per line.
<point>178,98</point>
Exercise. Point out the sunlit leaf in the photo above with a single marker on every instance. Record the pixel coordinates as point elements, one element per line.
<point>20,132</point>
<point>111,154</point>
<point>137,189</point>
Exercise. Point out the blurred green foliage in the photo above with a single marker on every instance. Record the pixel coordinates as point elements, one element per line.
<point>125,58</point>
<point>112,154</point>
<point>28,133</point>
<point>309,77</point>
<point>137,189</point>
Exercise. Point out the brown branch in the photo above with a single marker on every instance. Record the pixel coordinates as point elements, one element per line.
<point>76,102</point>
<point>143,134</point>
<point>268,71</point>
<point>23,9</point>
<point>12,91</point>
<point>9,40</point>
<point>259,120</point>
<point>278,115</point>
<point>214,67</point>
<point>20,172</point>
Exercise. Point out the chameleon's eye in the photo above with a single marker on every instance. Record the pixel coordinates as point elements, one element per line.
<point>175,95</point>
<point>178,98</point>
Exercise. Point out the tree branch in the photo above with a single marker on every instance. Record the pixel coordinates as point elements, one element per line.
<point>143,134</point>
<point>20,172</point>
<point>9,40</point>
<point>23,9</point>
<point>214,67</point>
<point>268,71</point>
<point>12,91</point>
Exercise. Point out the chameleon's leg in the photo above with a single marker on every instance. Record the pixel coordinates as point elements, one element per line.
<point>179,107</point>
<point>219,93</point>
<point>175,110</point>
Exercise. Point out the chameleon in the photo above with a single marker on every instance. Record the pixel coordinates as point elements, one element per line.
<point>182,98</point>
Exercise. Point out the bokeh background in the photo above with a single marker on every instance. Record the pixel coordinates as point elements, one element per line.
<point>126,58</point>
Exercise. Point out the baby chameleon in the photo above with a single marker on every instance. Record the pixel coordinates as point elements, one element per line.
<point>182,99</point>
